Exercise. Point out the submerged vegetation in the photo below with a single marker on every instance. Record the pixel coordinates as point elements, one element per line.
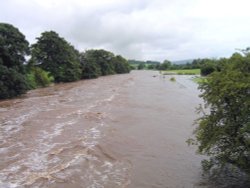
<point>50,59</point>
<point>172,79</point>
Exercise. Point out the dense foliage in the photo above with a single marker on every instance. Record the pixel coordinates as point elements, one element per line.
<point>104,61</point>
<point>120,64</point>
<point>224,133</point>
<point>55,55</point>
<point>165,65</point>
<point>141,66</point>
<point>100,62</point>
<point>90,68</point>
<point>13,48</point>
<point>52,59</point>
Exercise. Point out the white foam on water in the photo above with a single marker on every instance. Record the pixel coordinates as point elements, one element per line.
<point>91,137</point>
<point>36,161</point>
<point>3,109</point>
<point>56,131</point>
<point>113,174</point>
<point>110,98</point>
<point>107,164</point>
<point>15,124</point>
<point>66,115</point>
<point>3,150</point>
<point>38,164</point>
<point>8,185</point>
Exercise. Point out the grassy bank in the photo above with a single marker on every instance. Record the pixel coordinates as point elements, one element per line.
<point>199,79</point>
<point>182,72</point>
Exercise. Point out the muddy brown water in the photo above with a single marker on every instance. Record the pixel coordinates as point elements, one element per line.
<point>112,132</point>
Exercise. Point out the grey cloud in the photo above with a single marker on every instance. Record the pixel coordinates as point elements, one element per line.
<point>159,29</point>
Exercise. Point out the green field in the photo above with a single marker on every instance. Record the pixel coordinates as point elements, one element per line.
<point>182,72</point>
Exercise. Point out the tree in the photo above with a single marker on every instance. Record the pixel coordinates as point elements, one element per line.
<point>151,66</point>
<point>55,55</point>
<point>13,48</point>
<point>208,68</point>
<point>103,59</point>
<point>121,65</point>
<point>90,69</point>
<point>141,66</point>
<point>100,62</point>
<point>165,65</point>
<point>224,133</point>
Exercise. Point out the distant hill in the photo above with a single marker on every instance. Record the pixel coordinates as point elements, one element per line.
<point>181,62</point>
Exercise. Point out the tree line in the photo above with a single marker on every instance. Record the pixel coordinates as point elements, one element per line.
<point>149,64</point>
<point>206,65</point>
<point>50,59</point>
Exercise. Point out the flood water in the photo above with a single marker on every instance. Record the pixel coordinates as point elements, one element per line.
<point>112,132</point>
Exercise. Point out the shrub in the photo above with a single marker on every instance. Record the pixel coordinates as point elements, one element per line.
<point>39,78</point>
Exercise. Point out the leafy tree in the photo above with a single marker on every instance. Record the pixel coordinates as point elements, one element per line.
<point>208,68</point>
<point>141,66</point>
<point>121,65</point>
<point>55,55</point>
<point>103,59</point>
<point>13,48</point>
<point>151,66</point>
<point>165,65</point>
<point>224,133</point>
<point>90,69</point>
<point>100,62</point>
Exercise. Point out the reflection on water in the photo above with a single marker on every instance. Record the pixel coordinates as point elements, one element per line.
<point>116,131</point>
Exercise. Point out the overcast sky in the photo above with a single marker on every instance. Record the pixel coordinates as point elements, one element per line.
<point>138,29</point>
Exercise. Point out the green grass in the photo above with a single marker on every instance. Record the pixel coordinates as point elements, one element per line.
<point>183,72</point>
<point>199,80</point>
<point>134,65</point>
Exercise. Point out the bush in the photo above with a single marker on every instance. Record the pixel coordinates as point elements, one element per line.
<point>172,79</point>
<point>31,81</point>
<point>208,68</point>
<point>39,78</point>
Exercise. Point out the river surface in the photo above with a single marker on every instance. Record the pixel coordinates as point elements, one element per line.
<point>121,131</point>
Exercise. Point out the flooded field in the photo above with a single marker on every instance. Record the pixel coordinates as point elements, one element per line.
<point>112,132</point>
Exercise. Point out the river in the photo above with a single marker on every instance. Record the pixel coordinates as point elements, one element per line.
<point>120,131</point>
